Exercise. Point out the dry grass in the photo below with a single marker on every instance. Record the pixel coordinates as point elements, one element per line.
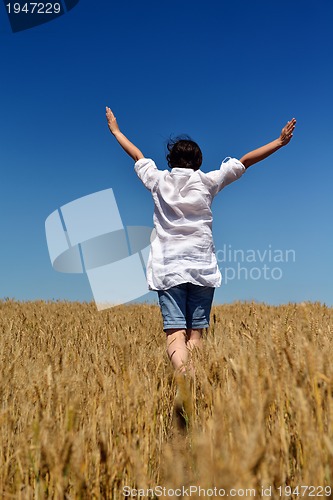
<point>87,401</point>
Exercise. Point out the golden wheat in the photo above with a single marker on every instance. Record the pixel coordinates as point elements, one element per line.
<point>87,401</point>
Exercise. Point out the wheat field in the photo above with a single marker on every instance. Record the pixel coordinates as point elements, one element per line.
<point>87,403</point>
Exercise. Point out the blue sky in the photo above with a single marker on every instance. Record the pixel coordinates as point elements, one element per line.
<point>229,74</point>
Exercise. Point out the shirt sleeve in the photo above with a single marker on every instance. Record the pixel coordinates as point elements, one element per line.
<point>147,172</point>
<point>230,170</point>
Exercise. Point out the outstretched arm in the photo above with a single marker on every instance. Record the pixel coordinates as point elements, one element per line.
<point>127,146</point>
<point>262,153</point>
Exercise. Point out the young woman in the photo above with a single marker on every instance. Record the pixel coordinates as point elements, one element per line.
<point>182,265</point>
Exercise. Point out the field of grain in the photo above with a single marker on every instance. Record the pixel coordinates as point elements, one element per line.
<point>87,403</point>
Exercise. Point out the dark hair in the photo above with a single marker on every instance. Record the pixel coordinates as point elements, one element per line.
<point>184,153</point>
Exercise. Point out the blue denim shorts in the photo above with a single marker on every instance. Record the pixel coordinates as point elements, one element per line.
<point>186,306</point>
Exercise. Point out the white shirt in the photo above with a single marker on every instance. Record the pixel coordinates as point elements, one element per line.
<point>182,248</point>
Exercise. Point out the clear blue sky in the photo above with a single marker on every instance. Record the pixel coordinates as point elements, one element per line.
<point>229,74</point>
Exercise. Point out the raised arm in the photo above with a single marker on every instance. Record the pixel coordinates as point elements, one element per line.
<point>127,146</point>
<point>270,148</point>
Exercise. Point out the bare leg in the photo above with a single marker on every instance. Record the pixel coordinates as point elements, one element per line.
<point>178,353</point>
<point>194,338</point>
<point>177,349</point>
<point>193,341</point>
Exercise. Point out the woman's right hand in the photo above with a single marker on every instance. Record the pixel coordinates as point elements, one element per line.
<point>287,132</point>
